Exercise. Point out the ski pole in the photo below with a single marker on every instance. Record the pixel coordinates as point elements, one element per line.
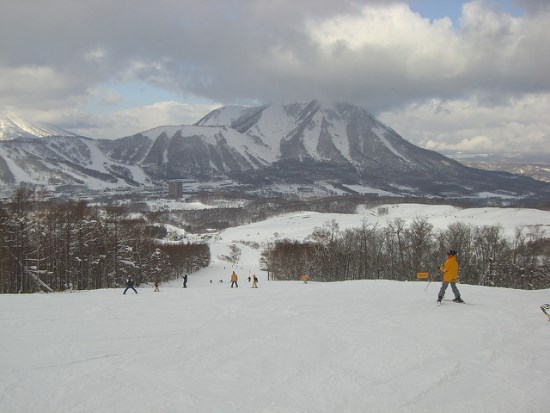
<point>429,282</point>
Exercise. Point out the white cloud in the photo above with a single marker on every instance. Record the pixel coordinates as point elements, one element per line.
<point>110,97</point>
<point>23,81</point>
<point>131,121</point>
<point>96,54</point>
<point>473,125</point>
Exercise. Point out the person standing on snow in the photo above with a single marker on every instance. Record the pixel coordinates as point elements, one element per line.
<point>129,284</point>
<point>450,276</point>
<point>185,281</point>
<point>234,279</point>
<point>255,282</point>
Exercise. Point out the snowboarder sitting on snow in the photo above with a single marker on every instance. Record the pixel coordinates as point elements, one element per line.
<point>234,279</point>
<point>450,276</point>
<point>130,284</point>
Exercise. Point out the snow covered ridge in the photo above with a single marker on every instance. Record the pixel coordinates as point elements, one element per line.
<point>14,127</point>
<point>269,145</point>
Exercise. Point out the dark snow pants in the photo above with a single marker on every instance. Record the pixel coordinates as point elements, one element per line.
<point>444,287</point>
<point>127,288</point>
<point>234,282</point>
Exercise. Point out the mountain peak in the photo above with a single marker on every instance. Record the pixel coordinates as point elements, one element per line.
<point>13,126</point>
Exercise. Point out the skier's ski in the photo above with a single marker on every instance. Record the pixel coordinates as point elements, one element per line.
<point>453,301</point>
<point>544,309</point>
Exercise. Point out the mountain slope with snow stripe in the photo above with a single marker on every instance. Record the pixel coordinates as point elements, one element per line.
<point>308,144</point>
<point>13,127</point>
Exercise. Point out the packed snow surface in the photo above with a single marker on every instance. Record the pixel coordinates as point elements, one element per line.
<point>355,346</point>
<point>361,346</point>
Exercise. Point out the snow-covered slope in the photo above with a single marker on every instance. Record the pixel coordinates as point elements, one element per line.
<point>375,346</point>
<point>346,144</point>
<point>354,347</point>
<point>64,161</point>
<point>13,127</point>
<point>312,129</point>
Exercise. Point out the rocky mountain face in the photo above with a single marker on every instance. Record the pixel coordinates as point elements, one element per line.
<point>298,143</point>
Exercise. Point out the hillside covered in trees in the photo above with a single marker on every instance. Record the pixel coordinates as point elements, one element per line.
<point>51,246</point>
<point>399,251</point>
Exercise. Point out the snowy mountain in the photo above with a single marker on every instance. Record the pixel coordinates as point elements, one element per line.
<point>313,142</point>
<point>337,144</point>
<point>15,127</point>
<point>63,161</point>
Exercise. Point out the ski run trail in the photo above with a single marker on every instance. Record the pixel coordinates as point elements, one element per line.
<point>354,346</point>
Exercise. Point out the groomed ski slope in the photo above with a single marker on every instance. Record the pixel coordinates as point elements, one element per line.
<point>356,346</point>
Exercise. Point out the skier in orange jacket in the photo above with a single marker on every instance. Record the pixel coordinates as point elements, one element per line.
<point>234,279</point>
<point>450,276</point>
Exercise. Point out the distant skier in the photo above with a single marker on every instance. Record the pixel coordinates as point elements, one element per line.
<point>255,282</point>
<point>156,290</point>
<point>450,276</point>
<point>130,284</point>
<point>185,281</point>
<point>234,279</point>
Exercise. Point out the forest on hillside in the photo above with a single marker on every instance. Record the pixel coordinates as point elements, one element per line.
<point>53,246</point>
<point>399,251</point>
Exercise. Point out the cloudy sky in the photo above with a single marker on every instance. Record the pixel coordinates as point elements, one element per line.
<point>451,75</point>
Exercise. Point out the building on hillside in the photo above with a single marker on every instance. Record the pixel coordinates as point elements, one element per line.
<point>175,190</point>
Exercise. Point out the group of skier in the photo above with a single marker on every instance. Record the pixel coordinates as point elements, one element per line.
<point>449,270</point>
<point>130,284</point>
<point>234,278</point>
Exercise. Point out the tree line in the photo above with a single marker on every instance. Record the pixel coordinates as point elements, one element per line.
<point>53,246</point>
<point>399,251</point>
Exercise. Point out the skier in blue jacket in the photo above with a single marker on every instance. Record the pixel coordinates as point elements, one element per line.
<point>130,284</point>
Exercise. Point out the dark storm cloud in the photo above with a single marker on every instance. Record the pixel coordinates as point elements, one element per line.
<point>223,50</point>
